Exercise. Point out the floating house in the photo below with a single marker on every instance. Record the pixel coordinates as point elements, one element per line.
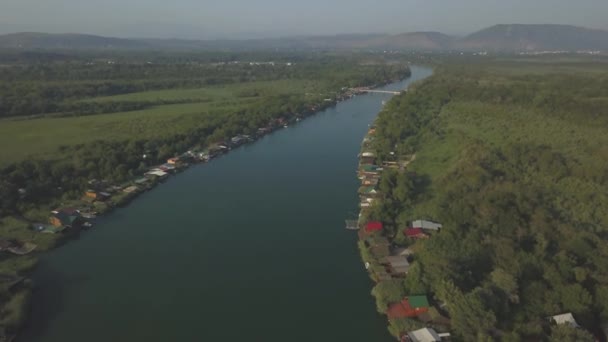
<point>409,307</point>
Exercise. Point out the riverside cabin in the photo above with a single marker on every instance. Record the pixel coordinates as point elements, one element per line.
<point>66,217</point>
<point>368,158</point>
<point>409,307</point>
<point>424,335</point>
<point>97,195</point>
<point>173,161</point>
<point>566,318</point>
<point>398,265</point>
<point>415,233</point>
<point>426,225</point>
<point>373,226</point>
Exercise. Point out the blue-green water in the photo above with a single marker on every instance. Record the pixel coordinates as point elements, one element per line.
<point>251,246</point>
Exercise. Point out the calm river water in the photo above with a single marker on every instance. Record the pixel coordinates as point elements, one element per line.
<point>251,246</point>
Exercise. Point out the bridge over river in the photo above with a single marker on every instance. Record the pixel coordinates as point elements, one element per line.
<point>365,90</point>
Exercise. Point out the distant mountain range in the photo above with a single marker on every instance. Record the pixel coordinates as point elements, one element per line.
<point>505,38</point>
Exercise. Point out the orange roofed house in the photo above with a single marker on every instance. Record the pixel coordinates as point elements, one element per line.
<point>411,306</point>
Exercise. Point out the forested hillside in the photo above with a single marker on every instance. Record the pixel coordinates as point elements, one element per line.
<point>511,159</point>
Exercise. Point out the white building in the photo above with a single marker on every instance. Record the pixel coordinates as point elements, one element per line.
<point>428,225</point>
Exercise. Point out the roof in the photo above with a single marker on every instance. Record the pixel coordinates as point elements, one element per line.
<point>426,225</point>
<point>397,261</point>
<point>69,211</point>
<point>402,252</point>
<point>168,166</point>
<point>65,218</point>
<point>418,301</point>
<point>373,226</point>
<point>369,189</point>
<point>51,229</point>
<point>370,168</point>
<point>158,173</point>
<point>409,307</point>
<point>424,335</point>
<point>413,232</point>
<point>565,318</point>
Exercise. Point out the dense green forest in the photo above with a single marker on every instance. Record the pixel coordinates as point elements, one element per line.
<point>510,156</point>
<point>28,89</point>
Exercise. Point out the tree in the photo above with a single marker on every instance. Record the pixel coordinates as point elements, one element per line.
<point>567,333</point>
<point>387,292</point>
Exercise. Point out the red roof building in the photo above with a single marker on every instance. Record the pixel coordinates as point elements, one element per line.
<point>409,307</point>
<point>373,226</point>
<point>415,233</point>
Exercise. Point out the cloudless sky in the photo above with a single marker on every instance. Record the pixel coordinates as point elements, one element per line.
<point>204,19</point>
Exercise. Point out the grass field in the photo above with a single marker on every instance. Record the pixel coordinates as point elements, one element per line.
<point>41,138</point>
<point>225,92</point>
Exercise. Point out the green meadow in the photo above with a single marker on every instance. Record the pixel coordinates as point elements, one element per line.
<point>43,137</point>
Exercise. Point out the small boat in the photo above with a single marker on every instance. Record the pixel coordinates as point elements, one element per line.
<point>285,126</point>
<point>367,265</point>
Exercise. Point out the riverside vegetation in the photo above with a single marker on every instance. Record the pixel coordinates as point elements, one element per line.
<point>511,158</point>
<point>73,117</point>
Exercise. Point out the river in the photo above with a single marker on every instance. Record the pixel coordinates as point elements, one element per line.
<point>251,246</point>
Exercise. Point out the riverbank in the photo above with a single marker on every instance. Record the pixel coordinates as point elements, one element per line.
<point>486,179</point>
<point>215,264</point>
<point>102,197</point>
<point>387,250</point>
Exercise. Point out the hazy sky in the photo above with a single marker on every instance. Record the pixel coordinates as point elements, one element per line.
<point>263,18</point>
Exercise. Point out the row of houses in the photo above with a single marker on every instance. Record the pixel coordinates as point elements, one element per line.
<point>395,262</point>
<point>391,261</point>
<point>102,191</point>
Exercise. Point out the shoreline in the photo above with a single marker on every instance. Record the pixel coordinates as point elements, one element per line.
<point>387,252</point>
<point>92,207</point>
